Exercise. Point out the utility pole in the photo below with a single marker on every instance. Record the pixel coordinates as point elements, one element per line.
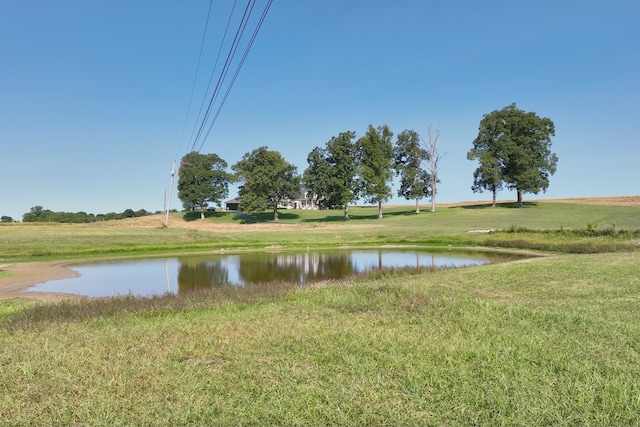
<point>168,201</point>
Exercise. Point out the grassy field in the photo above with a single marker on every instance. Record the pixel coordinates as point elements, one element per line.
<point>447,226</point>
<point>546,341</point>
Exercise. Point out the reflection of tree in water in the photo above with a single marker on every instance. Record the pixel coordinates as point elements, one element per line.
<point>201,273</point>
<point>208,272</point>
<point>294,267</point>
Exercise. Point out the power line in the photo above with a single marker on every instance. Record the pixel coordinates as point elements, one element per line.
<point>207,122</point>
<point>223,74</point>
<point>215,66</point>
<point>225,68</point>
<point>233,80</point>
<point>195,78</point>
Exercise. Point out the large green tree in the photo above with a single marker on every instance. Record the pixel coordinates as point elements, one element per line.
<point>267,180</point>
<point>375,160</point>
<point>488,175</point>
<point>410,159</point>
<point>514,148</point>
<point>331,173</point>
<point>202,180</point>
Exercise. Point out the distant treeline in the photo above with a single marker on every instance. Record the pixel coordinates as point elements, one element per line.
<point>39,214</point>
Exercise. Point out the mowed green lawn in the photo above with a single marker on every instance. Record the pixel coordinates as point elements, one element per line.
<point>546,341</point>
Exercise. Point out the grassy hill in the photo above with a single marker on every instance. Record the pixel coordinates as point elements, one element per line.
<point>545,341</point>
<point>457,225</point>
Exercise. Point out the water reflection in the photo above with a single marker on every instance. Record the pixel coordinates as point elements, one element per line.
<point>295,267</point>
<point>194,273</point>
<point>190,273</point>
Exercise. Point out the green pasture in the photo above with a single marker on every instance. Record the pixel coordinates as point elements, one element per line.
<point>545,341</point>
<point>447,226</point>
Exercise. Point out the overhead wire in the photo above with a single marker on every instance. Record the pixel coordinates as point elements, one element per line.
<point>207,121</point>
<point>195,77</point>
<point>233,80</point>
<point>215,66</point>
<point>225,68</point>
<point>230,55</point>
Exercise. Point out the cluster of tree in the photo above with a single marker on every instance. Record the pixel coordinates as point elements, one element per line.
<point>512,147</point>
<point>347,169</point>
<point>340,173</point>
<point>39,214</point>
<point>266,178</point>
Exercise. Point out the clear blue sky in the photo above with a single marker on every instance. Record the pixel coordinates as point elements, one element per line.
<point>94,95</point>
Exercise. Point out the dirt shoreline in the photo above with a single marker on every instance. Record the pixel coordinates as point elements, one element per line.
<point>23,275</point>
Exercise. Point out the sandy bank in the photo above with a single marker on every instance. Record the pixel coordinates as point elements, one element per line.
<point>24,275</point>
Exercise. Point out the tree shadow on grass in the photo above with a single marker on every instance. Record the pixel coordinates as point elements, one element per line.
<point>408,212</point>
<point>504,205</point>
<point>266,216</point>
<point>332,215</point>
<point>333,218</point>
<point>339,215</point>
<point>194,216</point>
<point>285,215</point>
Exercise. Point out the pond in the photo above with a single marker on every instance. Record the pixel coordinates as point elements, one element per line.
<point>156,276</point>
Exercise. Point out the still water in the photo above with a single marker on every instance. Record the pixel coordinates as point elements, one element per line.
<point>154,276</point>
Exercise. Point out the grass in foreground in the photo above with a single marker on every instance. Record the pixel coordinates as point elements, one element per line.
<point>545,342</point>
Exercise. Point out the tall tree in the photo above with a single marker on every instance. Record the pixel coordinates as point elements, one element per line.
<point>488,175</point>
<point>331,173</point>
<point>433,136</point>
<point>202,180</point>
<point>521,146</point>
<point>315,176</point>
<point>375,154</point>
<point>267,181</point>
<point>410,159</point>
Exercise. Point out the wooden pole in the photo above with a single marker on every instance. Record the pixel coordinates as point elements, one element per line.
<point>168,201</point>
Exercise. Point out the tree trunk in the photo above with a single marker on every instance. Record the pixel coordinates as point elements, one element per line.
<point>201,213</point>
<point>417,206</point>
<point>379,210</point>
<point>494,199</point>
<point>433,193</point>
<point>275,214</point>
<point>519,198</point>
<point>346,212</point>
